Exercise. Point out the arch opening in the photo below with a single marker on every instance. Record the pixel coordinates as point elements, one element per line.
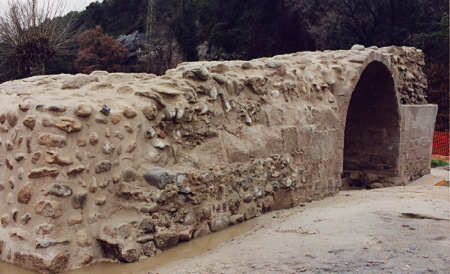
<point>372,131</point>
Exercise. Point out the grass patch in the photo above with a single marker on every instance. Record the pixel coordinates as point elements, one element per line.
<point>438,163</point>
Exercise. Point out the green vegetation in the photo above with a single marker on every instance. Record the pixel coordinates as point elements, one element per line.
<point>114,16</point>
<point>438,163</point>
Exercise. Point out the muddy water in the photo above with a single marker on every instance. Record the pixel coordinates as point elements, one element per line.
<point>183,251</point>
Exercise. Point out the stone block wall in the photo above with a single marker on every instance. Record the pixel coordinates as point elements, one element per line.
<point>121,166</point>
<point>417,134</point>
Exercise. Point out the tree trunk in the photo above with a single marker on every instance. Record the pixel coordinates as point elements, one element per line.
<point>149,23</point>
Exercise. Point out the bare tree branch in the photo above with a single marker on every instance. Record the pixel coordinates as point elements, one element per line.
<point>32,32</point>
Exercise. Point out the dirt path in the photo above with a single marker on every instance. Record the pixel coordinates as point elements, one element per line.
<point>354,232</point>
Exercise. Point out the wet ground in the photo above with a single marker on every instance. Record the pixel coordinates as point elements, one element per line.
<point>361,231</point>
<point>358,231</point>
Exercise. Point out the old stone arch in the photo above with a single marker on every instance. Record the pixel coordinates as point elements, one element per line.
<point>372,131</point>
<point>219,142</point>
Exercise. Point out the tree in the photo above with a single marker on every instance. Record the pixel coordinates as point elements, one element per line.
<point>116,17</point>
<point>185,29</point>
<point>99,51</point>
<point>438,93</point>
<point>252,29</point>
<point>31,34</point>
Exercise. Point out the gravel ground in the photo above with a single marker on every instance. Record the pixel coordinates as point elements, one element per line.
<point>361,231</point>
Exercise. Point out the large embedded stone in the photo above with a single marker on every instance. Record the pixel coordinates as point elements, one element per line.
<point>79,200</point>
<point>49,208</point>
<point>93,138</point>
<point>41,243</point>
<point>159,177</point>
<point>52,140</point>
<point>25,218</point>
<point>35,157</point>
<point>43,172</point>
<point>220,222</point>
<point>159,143</point>
<point>148,248</point>
<point>59,190</point>
<point>29,122</point>
<point>202,230</point>
<point>103,166</point>
<point>166,239</point>
<point>53,157</point>
<point>200,73</point>
<point>11,118</point>
<point>83,238</point>
<point>76,170</point>
<point>114,250</point>
<point>29,260</point>
<point>25,194</point>
<point>25,106</point>
<point>115,118</point>
<point>83,111</point>
<point>147,226</point>
<point>129,113</point>
<point>150,111</point>
<point>57,108</point>
<point>129,175</point>
<point>44,229</point>
<point>68,124</point>
<point>59,263</point>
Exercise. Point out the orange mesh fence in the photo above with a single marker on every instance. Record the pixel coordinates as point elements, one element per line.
<point>440,143</point>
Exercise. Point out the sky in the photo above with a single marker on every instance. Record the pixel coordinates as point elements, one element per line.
<point>71,4</point>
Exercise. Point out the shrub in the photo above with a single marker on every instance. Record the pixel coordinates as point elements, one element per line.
<point>438,163</point>
<point>99,51</point>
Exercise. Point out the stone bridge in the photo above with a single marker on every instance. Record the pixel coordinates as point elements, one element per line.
<point>119,166</point>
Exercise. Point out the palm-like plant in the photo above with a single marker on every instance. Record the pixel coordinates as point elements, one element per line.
<point>31,33</point>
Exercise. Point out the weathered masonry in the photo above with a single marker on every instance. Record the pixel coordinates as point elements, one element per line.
<point>120,166</point>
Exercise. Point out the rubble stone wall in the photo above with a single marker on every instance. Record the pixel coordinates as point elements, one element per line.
<point>113,166</point>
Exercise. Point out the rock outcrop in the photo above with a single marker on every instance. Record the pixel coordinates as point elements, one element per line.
<point>121,166</point>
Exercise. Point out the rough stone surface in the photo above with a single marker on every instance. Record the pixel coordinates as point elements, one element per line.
<point>158,177</point>
<point>103,166</point>
<point>59,190</point>
<point>49,208</point>
<point>146,162</point>
<point>78,81</point>
<point>83,110</point>
<point>25,194</point>
<point>220,222</point>
<point>43,172</point>
<point>29,122</point>
<point>166,239</point>
<point>52,140</point>
<point>79,200</point>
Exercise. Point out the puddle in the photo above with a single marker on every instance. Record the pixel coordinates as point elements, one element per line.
<point>184,250</point>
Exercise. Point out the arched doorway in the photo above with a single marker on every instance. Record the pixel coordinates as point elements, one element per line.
<point>372,131</point>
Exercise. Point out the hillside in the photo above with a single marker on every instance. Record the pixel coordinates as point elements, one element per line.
<point>164,33</point>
